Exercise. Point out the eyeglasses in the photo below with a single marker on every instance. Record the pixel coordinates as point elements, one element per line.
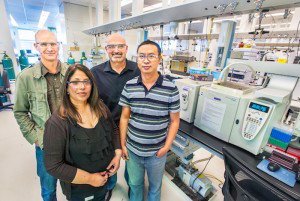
<point>85,83</point>
<point>113,46</point>
<point>45,45</point>
<point>150,57</point>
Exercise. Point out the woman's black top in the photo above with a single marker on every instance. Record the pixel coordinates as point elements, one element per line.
<point>91,150</point>
<point>68,146</point>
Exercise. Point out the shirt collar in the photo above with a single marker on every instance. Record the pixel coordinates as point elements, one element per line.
<point>45,70</point>
<point>159,80</point>
<point>108,68</point>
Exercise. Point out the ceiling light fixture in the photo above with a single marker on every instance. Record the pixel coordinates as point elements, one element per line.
<point>125,2</point>
<point>13,21</point>
<point>231,19</point>
<point>197,21</point>
<point>43,19</point>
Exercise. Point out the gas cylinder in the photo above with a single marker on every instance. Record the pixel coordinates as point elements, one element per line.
<point>23,60</point>
<point>83,58</point>
<point>3,97</point>
<point>71,60</point>
<point>8,66</point>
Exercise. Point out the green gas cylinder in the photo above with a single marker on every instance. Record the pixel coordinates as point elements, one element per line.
<point>71,60</point>
<point>83,58</point>
<point>8,66</point>
<point>3,97</point>
<point>23,60</point>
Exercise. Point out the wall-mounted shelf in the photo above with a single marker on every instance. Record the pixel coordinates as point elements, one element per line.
<point>259,44</point>
<point>273,34</point>
<point>186,37</point>
<point>187,11</point>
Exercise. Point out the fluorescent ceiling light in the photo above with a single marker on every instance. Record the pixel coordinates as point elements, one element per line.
<point>197,21</point>
<point>155,6</point>
<point>43,19</point>
<point>125,2</point>
<point>232,19</point>
<point>13,21</point>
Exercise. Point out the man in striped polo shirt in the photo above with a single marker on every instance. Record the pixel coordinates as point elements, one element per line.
<point>149,123</point>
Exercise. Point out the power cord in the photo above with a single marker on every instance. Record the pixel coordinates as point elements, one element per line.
<point>211,156</point>
<point>200,160</point>
<point>213,177</point>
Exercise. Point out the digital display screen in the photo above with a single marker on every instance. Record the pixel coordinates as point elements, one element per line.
<point>259,107</point>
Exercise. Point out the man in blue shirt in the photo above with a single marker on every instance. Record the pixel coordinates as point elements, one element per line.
<point>111,77</point>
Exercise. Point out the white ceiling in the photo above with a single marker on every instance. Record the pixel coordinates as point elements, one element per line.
<point>27,12</point>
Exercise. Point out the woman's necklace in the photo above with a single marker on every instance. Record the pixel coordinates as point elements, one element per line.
<point>89,119</point>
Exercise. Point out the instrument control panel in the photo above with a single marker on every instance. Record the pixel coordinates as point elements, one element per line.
<point>255,117</point>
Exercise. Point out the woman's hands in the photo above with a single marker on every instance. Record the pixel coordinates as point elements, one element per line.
<point>115,163</point>
<point>98,179</point>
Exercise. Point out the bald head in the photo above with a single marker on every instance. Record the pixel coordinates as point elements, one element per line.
<point>116,48</point>
<point>115,37</point>
<point>46,44</point>
<point>44,32</point>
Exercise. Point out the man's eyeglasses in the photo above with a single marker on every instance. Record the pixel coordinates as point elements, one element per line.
<point>79,83</point>
<point>45,45</point>
<point>113,46</point>
<point>150,57</point>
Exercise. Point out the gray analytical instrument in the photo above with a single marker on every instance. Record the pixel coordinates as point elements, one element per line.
<point>254,123</point>
<point>243,115</point>
<point>217,108</point>
<point>218,104</point>
<point>188,91</point>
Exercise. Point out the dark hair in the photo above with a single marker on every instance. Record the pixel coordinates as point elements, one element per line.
<point>67,109</point>
<point>150,42</point>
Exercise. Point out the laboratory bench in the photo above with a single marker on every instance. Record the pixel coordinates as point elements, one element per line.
<point>215,146</point>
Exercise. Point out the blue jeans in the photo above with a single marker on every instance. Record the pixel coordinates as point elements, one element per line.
<point>136,167</point>
<point>112,181</point>
<point>48,183</point>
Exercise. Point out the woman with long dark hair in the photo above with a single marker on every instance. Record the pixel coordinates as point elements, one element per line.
<point>81,140</point>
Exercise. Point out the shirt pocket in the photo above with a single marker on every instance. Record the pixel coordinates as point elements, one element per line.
<point>37,103</point>
<point>54,93</point>
<point>94,149</point>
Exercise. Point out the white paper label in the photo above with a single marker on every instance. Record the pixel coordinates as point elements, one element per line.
<point>213,114</point>
<point>89,198</point>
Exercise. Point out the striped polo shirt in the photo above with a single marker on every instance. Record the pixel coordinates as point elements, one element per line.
<point>150,114</point>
